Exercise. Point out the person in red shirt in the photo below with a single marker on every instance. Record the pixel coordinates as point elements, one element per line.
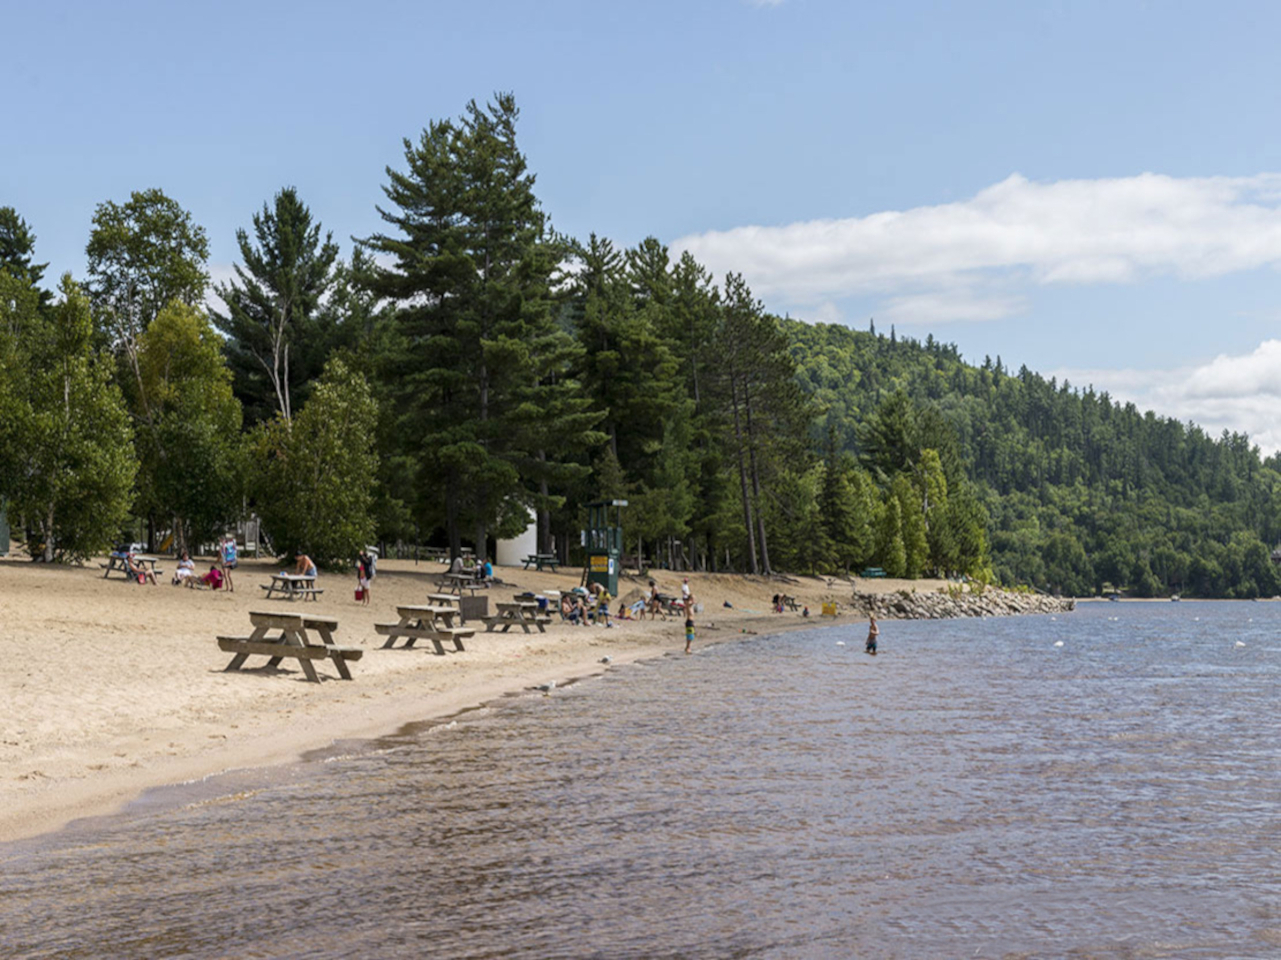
<point>213,579</point>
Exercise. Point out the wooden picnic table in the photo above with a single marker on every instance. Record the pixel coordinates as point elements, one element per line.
<point>291,640</point>
<point>291,586</point>
<point>522,612</point>
<point>540,560</point>
<point>458,582</point>
<point>670,606</point>
<point>119,563</point>
<point>434,622</point>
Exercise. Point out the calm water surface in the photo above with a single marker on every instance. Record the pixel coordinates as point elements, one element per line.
<point>975,791</point>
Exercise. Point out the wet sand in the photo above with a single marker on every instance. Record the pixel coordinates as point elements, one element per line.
<point>112,687</point>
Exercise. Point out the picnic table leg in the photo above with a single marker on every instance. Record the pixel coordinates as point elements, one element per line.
<point>327,638</point>
<point>239,659</point>
<point>393,637</point>
<point>341,664</point>
<point>298,638</point>
<point>237,662</point>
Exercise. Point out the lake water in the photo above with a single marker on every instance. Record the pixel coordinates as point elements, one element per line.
<point>974,791</point>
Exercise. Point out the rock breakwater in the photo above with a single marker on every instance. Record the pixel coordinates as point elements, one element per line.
<point>906,605</point>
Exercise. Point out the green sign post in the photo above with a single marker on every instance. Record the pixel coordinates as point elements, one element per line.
<point>605,543</point>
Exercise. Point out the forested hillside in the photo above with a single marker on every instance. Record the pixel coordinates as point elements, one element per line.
<point>1081,492</point>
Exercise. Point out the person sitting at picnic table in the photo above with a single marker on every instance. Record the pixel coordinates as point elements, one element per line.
<point>306,567</point>
<point>140,571</point>
<point>486,571</point>
<point>186,570</point>
<point>213,579</point>
<point>571,609</point>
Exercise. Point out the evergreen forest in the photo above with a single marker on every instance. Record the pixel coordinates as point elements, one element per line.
<point>467,371</point>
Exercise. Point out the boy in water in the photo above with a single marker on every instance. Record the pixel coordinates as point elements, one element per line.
<point>873,631</point>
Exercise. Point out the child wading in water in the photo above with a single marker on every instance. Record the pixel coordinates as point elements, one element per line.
<point>689,632</point>
<point>873,631</point>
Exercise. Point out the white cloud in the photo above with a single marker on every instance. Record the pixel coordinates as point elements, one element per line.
<point>1237,393</point>
<point>1015,232</point>
<point>945,306</point>
<point>219,273</point>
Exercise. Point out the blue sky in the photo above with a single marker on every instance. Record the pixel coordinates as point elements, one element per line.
<point>1091,189</point>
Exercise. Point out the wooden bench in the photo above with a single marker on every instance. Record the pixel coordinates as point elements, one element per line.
<point>872,573</point>
<point>291,587</point>
<point>522,612</point>
<point>292,642</point>
<point>432,622</point>
<point>119,563</point>
<point>456,583</point>
<point>540,560</point>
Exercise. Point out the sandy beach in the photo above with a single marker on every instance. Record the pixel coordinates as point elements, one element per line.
<point>114,687</point>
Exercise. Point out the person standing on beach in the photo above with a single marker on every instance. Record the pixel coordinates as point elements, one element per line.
<point>655,604</point>
<point>229,561</point>
<point>687,597</point>
<point>364,573</point>
<point>873,631</point>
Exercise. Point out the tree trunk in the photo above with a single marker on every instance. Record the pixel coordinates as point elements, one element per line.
<point>742,477</point>
<point>756,477</point>
<point>543,520</point>
<point>452,531</point>
<point>47,553</point>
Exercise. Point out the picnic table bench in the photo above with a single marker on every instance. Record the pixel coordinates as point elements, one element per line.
<point>789,602</point>
<point>524,613</point>
<point>291,586</point>
<point>540,560</point>
<point>119,563</point>
<point>292,640</point>
<point>871,573</point>
<point>434,622</point>
<point>456,583</point>
<point>670,606</point>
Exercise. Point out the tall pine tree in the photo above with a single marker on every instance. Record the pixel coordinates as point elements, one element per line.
<point>472,263</point>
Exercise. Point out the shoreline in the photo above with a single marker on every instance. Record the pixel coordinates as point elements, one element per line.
<point>118,689</point>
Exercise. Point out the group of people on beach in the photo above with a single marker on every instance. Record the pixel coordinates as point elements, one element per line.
<point>219,575</point>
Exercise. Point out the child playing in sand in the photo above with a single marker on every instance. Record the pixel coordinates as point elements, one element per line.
<point>213,579</point>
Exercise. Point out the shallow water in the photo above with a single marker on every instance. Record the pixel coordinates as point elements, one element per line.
<point>974,791</point>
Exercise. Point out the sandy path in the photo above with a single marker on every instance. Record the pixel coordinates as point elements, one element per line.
<point>112,687</point>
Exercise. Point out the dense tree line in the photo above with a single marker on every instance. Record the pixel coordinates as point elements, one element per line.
<point>468,369</point>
